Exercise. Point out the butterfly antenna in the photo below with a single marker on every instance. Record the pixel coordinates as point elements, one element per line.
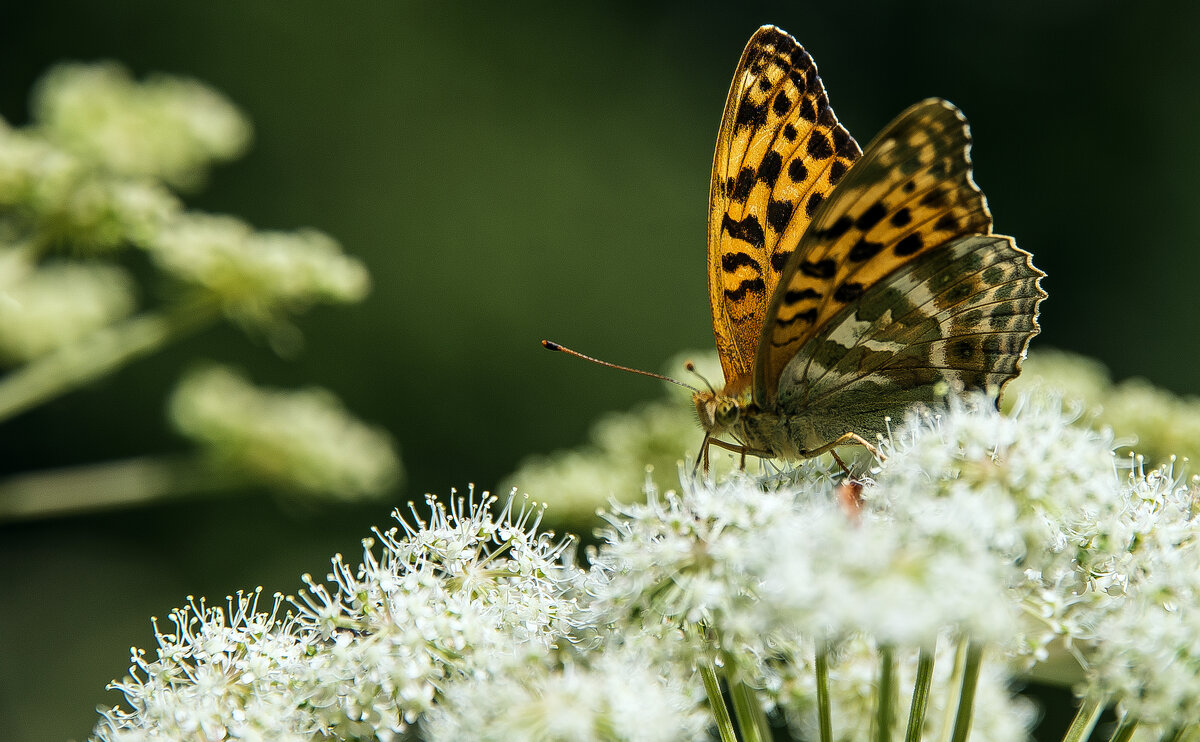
<point>548,345</point>
<point>692,367</point>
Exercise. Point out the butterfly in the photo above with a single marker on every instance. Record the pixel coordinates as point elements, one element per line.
<point>847,285</point>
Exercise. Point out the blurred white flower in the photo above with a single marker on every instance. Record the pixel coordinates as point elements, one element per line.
<point>46,307</point>
<point>166,127</point>
<point>257,276</point>
<point>52,199</point>
<point>300,441</point>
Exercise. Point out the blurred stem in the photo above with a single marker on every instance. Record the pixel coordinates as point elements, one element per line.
<point>751,720</point>
<point>966,696</point>
<point>1125,730</point>
<point>824,713</point>
<point>1085,719</point>
<point>955,682</point>
<point>712,687</point>
<point>98,354</point>
<point>110,485</point>
<point>885,710</point>
<point>920,696</point>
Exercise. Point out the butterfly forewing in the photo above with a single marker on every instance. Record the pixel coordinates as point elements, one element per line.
<point>780,152</point>
<point>909,194</point>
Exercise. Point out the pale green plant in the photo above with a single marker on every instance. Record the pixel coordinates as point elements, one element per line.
<point>85,188</point>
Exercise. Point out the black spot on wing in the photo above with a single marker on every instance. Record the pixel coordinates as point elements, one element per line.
<point>809,315</point>
<point>935,198</point>
<point>825,116</point>
<point>819,268</point>
<point>797,171</point>
<point>749,286</point>
<point>751,115</point>
<point>747,230</point>
<point>789,133</point>
<point>872,216</point>
<point>947,223</point>
<point>836,171</point>
<point>769,168</point>
<point>864,250</point>
<point>848,291</point>
<point>779,259</point>
<point>813,203</point>
<point>843,144</point>
<point>808,110</point>
<point>779,213</point>
<point>818,146</point>
<point>909,245</point>
<point>838,228</point>
<point>901,218</point>
<point>732,261</point>
<point>743,185</point>
<point>781,105</point>
<point>795,296</point>
<point>963,350</point>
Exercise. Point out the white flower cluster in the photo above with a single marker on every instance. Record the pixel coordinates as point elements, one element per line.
<point>1144,649</point>
<point>981,543</point>
<point>302,441</point>
<point>459,598</point>
<point>220,674</point>
<point>611,695</point>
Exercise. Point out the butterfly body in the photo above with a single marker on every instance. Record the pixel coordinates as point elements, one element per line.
<point>766,433</point>
<point>847,287</point>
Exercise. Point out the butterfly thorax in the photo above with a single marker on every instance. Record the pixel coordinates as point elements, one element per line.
<point>760,432</point>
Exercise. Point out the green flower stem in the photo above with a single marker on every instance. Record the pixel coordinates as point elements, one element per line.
<point>712,687</point>
<point>885,709</point>
<point>1177,734</point>
<point>1085,720</point>
<point>920,696</point>
<point>752,722</point>
<point>110,485</point>
<point>824,713</point>
<point>97,355</point>
<point>1124,731</point>
<point>966,696</point>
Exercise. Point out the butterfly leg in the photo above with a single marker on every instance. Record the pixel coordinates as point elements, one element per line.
<point>849,439</point>
<point>839,461</point>
<point>702,457</point>
<point>740,449</point>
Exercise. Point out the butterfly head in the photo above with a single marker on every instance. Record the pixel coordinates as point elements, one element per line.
<point>717,412</point>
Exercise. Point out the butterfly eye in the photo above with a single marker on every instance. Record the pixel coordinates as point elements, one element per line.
<point>726,413</point>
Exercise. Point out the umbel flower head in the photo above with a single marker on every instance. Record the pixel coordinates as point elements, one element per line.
<point>456,596</point>
<point>982,542</point>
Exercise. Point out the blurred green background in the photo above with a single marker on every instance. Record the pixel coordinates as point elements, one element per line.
<point>514,171</point>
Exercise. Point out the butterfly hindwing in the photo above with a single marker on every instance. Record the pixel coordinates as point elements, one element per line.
<point>780,152</point>
<point>909,194</point>
<point>960,317</point>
